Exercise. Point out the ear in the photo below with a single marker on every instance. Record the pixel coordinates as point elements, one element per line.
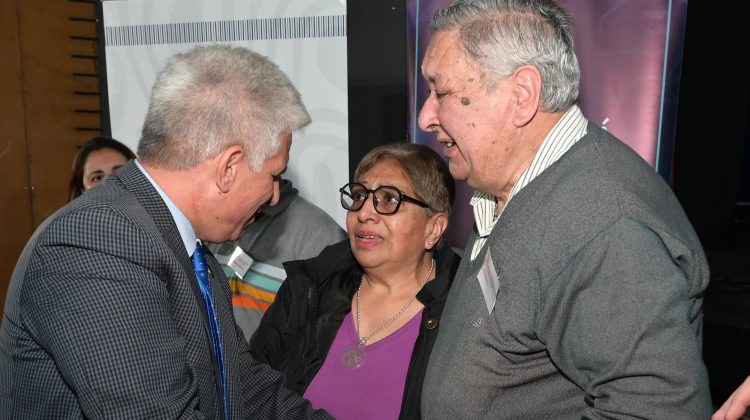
<point>435,228</point>
<point>526,92</point>
<point>228,166</point>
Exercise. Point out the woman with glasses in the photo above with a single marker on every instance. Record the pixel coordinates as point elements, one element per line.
<point>352,329</point>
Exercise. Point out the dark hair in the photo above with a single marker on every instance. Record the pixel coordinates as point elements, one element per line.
<point>426,169</point>
<point>96,143</point>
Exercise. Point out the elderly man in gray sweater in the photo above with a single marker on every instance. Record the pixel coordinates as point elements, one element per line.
<point>580,294</point>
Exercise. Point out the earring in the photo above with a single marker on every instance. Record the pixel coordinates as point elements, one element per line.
<point>429,241</point>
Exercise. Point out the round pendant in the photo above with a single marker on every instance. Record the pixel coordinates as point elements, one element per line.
<point>354,357</point>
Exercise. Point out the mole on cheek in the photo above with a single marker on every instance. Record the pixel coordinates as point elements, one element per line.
<point>465,101</point>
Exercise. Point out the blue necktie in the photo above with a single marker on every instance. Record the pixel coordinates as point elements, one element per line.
<point>201,271</point>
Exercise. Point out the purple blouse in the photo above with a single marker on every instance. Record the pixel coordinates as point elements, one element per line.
<point>373,390</point>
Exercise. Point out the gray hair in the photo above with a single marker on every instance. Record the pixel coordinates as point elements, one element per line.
<point>426,169</point>
<point>213,97</point>
<point>503,35</point>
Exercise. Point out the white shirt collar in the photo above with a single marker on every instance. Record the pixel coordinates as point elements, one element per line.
<point>566,132</point>
<point>187,233</point>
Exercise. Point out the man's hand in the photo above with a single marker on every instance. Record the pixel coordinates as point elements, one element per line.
<point>735,406</point>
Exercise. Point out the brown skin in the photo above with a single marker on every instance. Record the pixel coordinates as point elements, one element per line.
<point>736,405</point>
<point>489,138</point>
<point>99,164</point>
<point>392,250</point>
<point>221,196</point>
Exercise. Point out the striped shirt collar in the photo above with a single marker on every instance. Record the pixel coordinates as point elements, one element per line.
<point>567,131</point>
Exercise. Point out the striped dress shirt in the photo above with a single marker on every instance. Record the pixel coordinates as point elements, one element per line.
<point>567,131</point>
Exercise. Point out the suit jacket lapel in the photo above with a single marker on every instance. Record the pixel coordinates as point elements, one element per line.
<point>137,184</point>
<point>187,307</point>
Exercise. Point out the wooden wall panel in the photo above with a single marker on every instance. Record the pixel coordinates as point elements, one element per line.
<point>50,96</point>
<point>15,200</point>
<point>53,128</point>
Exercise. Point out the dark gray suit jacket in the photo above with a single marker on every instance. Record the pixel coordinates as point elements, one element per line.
<point>103,319</point>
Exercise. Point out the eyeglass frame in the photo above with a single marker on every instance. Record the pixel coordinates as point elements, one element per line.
<point>401,198</point>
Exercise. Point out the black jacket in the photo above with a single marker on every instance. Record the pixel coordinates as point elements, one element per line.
<point>296,333</point>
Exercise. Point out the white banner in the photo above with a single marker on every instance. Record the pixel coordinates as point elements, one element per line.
<point>305,38</point>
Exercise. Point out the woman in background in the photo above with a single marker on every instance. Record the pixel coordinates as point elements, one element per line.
<point>98,158</point>
<point>352,329</point>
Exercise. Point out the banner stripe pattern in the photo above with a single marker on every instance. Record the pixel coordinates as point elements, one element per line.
<point>227,31</point>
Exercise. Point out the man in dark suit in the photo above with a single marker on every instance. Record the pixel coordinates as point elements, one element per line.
<point>111,312</point>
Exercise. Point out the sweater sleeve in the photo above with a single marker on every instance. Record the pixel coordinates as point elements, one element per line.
<point>617,322</point>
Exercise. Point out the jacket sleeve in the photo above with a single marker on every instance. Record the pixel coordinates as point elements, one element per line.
<point>282,330</point>
<point>266,395</point>
<point>106,316</point>
<point>262,390</point>
<point>102,314</point>
<point>617,321</point>
<point>271,342</point>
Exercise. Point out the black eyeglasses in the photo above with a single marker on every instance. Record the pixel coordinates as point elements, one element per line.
<point>386,199</point>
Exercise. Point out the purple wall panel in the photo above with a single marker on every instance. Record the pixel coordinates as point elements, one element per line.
<point>621,47</point>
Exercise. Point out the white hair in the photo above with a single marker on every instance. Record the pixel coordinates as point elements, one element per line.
<point>503,35</point>
<point>213,97</point>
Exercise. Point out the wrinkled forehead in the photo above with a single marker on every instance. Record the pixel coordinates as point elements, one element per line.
<point>388,171</point>
<point>443,54</point>
<point>382,166</point>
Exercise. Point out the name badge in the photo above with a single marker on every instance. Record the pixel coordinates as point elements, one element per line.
<point>239,261</point>
<point>488,281</point>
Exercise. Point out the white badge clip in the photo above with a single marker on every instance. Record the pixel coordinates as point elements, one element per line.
<point>488,281</point>
<point>239,262</point>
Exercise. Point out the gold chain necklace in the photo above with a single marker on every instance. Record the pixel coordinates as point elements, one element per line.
<point>354,357</point>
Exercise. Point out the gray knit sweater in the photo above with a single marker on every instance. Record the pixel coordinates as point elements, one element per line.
<point>600,303</point>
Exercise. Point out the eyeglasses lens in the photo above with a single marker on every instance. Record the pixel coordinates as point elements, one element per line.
<point>385,199</point>
<point>353,196</point>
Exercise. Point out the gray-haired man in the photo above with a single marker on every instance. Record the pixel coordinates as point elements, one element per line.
<point>114,309</point>
<point>580,295</point>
